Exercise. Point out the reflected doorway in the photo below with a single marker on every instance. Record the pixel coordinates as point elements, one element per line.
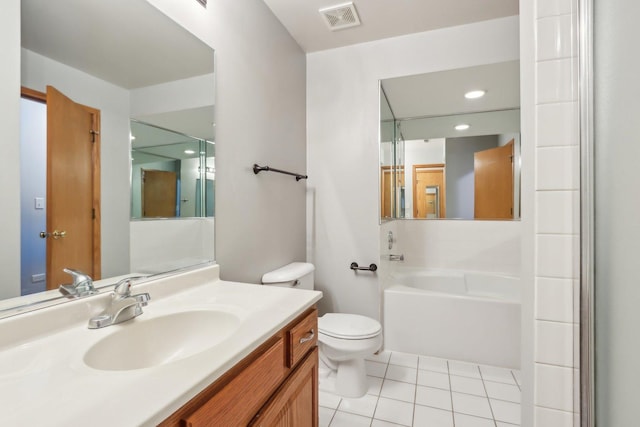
<point>60,164</point>
<point>429,193</point>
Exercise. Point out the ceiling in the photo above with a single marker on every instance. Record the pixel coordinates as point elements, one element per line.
<point>430,105</point>
<point>128,49</point>
<point>382,18</point>
<point>442,93</point>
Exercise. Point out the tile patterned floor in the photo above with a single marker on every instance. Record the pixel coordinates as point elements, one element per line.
<point>420,391</point>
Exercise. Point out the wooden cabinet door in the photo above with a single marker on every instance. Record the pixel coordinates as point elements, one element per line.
<point>295,404</point>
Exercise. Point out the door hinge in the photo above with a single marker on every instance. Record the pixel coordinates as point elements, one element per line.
<point>93,135</point>
<point>93,213</point>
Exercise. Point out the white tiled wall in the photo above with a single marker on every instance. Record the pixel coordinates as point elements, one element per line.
<point>557,206</point>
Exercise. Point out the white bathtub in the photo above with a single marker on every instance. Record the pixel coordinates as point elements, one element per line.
<point>455,315</point>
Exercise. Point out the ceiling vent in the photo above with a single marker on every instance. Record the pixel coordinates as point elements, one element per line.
<point>340,16</point>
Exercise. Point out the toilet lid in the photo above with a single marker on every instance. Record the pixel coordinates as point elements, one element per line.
<point>349,326</point>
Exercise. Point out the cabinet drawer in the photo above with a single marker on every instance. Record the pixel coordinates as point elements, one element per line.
<point>302,337</point>
<point>236,403</point>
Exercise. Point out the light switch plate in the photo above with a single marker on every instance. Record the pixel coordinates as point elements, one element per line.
<point>39,202</point>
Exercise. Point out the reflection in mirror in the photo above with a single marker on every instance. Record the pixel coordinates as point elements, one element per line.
<point>444,155</point>
<point>172,174</point>
<point>114,67</point>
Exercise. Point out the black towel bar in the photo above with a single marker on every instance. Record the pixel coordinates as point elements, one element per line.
<point>257,169</point>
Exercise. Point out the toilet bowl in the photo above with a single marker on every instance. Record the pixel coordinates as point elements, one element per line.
<point>344,340</point>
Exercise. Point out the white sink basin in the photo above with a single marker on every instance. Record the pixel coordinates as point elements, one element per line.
<point>145,343</point>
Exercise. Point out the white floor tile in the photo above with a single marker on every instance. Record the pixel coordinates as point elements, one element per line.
<point>394,411</point>
<point>502,391</point>
<point>325,415</point>
<point>433,379</point>
<point>432,417</point>
<point>434,397</point>
<point>506,411</point>
<point>433,364</point>
<point>471,405</point>
<point>380,423</point>
<point>500,375</point>
<point>464,369</point>
<point>463,420</point>
<point>404,359</point>
<point>382,357</point>
<point>375,384</point>
<point>328,400</point>
<point>364,406</point>
<point>398,390</point>
<point>375,369</point>
<point>401,373</point>
<point>343,419</point>
<point>501,424</point>
<point>467,385</point>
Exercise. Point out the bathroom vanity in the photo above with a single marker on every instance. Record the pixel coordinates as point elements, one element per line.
<point>204,352</point>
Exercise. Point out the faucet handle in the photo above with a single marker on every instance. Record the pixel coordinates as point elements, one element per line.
<point>82,283</point>
<point>78,276</point>
<point>123,288</point>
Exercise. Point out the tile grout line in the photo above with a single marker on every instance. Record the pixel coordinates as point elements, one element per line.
<point>517,383</point>
<point>453,418</point>
<point>380,391</point>
<point>493,415</point>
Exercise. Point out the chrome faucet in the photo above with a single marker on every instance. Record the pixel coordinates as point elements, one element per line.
<point>123,306</point>
<point>82,284</point>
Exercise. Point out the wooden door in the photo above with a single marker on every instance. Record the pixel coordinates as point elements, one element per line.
<point>73,188</point>
<point>493,183</point>
<point>159,193</point>
<point>296,401</point>
<point>429,192</point>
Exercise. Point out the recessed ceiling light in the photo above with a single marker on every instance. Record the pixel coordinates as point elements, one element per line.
<point>189,152</point>
<point>462,126</point>
<point>474,94</point>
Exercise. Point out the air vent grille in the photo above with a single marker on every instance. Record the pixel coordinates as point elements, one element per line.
<point>340,16</point>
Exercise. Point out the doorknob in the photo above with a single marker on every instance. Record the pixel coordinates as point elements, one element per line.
<point>58,234</point>
<point>44,234</point>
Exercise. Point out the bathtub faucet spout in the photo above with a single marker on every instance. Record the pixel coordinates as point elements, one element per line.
<point>396,257</point>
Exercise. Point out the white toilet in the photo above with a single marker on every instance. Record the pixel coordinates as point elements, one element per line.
<point>344,339</point>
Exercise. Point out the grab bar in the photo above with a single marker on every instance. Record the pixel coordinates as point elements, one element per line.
<point>257,169</point>
<point>354,266</point>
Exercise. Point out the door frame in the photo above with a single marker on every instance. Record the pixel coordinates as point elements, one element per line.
<point>443,193</point>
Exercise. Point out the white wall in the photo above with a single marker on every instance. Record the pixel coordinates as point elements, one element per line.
<point>260,117</point>
<point>10,131</point>
<point>113,102</point>
<point>343,145</point>
<point>150,252</point>
<point>482,246</point>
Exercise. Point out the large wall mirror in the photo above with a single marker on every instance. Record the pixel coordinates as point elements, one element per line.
<point>450,144</point>
<point>143,88</point>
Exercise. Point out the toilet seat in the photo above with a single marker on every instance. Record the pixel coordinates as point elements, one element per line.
<point>348,326</point>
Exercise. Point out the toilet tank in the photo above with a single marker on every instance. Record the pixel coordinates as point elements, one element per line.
<point>296,274</point>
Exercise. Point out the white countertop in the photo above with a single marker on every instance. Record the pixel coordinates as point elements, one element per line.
<point>44,380</point>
